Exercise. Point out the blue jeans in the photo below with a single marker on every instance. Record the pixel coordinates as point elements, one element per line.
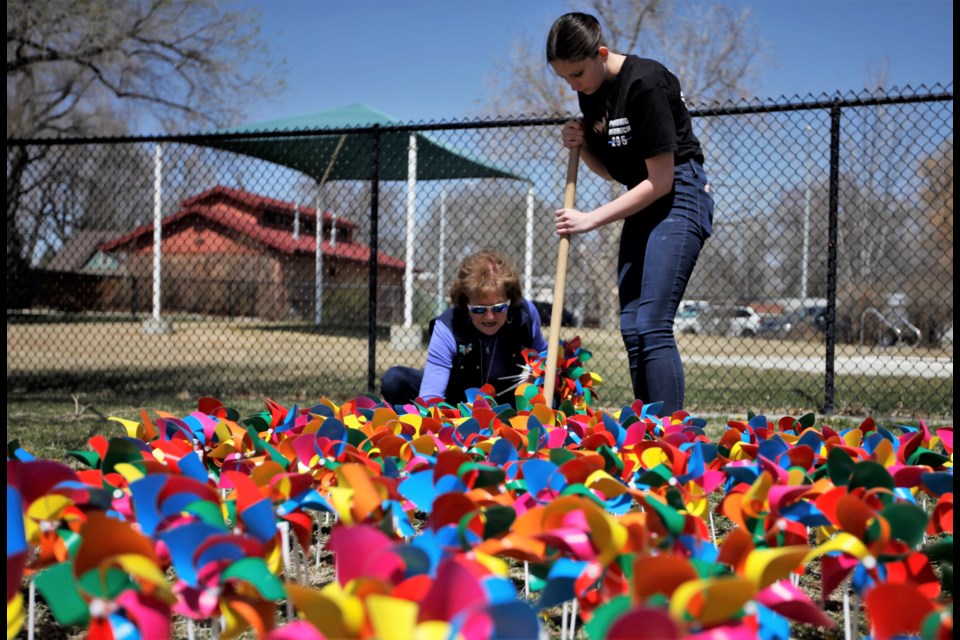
<point>400,385</point>
<point>659,247</point>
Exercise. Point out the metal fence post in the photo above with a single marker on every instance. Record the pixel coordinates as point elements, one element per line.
<point>374,220</point>
<point>829,375</point>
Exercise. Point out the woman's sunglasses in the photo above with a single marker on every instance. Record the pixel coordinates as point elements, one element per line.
<point>480,309</point>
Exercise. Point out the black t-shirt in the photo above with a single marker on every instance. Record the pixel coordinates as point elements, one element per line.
<point>647,117</point>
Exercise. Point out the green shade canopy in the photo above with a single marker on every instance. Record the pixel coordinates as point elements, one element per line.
<point>340,147</point>
<point>311,154</point>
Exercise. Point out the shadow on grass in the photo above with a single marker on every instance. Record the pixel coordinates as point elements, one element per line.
<point>140,385</point>
<point>782,392</point>
<point>339,331</point>
<point>53,412</point>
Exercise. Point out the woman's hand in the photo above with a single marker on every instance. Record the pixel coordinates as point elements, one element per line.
<point>572,133</point>
<point>570,221</point>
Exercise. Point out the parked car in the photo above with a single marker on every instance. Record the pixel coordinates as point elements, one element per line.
<point>776,326</point>
<point>814,314</point>
<point>730,320</point>
<point>687,318</point>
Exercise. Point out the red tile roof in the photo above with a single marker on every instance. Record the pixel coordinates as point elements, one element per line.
<point>257,202</point>
<point>220,206</point>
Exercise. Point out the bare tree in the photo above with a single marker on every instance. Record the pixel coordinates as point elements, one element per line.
<point>713,50</point>
<point>91,67</point>
<point>103,67</point>
<point>931,304</point>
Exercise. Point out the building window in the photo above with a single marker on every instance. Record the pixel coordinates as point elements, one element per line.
<point>277,220</point>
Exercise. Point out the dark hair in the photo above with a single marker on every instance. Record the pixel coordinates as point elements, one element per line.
<point>574,37</point>
<point>486,271</point>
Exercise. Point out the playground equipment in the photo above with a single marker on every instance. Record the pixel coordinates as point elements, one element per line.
<point>889,332</point>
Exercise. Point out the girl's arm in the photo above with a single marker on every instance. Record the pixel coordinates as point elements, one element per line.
<point>659,183</point>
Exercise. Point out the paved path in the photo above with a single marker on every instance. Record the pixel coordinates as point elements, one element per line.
<point>870,365</point>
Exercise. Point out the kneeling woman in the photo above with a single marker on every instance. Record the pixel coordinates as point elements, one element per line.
<point>479,340</point>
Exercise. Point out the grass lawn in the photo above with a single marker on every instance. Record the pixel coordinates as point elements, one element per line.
<point>64,380</point>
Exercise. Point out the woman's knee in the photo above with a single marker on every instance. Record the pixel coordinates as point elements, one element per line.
<point>399,384</point>
<point>391,377</point>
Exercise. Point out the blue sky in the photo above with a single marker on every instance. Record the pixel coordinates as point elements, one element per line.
<point>429,60</point>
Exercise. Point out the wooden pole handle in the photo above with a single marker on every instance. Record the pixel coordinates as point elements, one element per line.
<point>556,315</point>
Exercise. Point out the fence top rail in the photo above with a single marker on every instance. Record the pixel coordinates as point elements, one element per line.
<point>938,93</point>
<point>821,104</point>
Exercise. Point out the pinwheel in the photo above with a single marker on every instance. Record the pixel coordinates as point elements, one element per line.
<point>230,443</point>
<point>941,520</point>
<point>114,580</point>
<point>163,500</point>
<point>224,574</point>
<point>16,560</point>
<point>47,509</point>
<point>573,546</point>
<point>190,516</point>
<point>49,493</point>
<point>117,461</point>
<point>383,587</point>
<point>680,600</point>
<point>897,610</point>
<point>575,385</point>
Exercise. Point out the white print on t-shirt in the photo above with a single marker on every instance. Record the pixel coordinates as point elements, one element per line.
<point>619,132</point>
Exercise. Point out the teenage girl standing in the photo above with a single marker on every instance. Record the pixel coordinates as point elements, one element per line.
<point>636,129</point>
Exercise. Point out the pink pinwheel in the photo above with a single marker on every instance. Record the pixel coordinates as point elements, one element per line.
<point>223,574</point>
<point>117,581</point>
<point>55,504</point>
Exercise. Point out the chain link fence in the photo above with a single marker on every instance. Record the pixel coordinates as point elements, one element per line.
<point>828,283</point>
